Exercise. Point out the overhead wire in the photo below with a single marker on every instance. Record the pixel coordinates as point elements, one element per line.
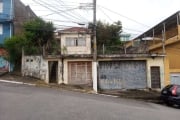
<point>67,16</point>
<point>62,3</point>
<point>114,21</point>
<point>135,21</point>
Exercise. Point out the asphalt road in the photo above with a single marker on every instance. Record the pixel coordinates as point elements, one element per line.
<point>22,102</point>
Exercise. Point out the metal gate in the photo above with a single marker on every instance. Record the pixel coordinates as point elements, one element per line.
<point>122,74</point>
<point>155,77</point>
<point>79,73</point>
<point>175,78</point>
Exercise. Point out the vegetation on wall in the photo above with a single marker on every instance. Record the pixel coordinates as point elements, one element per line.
<point>37,34</point>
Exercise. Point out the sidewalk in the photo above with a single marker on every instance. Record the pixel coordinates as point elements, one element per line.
<point>15,77</point>
<point>149,96</point>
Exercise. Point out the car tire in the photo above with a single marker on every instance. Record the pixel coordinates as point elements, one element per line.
<point>168,103</point>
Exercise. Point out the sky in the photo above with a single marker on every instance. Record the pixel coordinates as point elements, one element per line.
<point>136,16</point>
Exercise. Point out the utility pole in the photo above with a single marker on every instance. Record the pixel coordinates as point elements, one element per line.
<point>95,82</point>
<point>94,32</point>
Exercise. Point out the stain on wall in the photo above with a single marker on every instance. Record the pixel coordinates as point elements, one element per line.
<point>35,66</point>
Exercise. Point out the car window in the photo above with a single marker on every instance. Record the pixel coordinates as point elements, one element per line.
<point>168,86</point>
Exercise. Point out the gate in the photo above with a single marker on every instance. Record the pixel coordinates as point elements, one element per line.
<point>122,74</point>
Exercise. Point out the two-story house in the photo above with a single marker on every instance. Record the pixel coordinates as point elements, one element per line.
<point>164,38</point>
<point>77,61</point>
<point>72,66</point>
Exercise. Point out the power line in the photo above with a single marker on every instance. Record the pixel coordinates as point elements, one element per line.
<point>62,3</point>
<point>124,16</point>
<point>56,11</point>
<point>114,21</point>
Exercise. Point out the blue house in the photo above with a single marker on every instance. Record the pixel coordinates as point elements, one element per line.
<point>6,19</point>
<point>11,23</point>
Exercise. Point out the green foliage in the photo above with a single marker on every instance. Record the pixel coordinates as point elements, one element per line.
<point>38,34</point>
<point>14,47</point>
<point>108,34</point>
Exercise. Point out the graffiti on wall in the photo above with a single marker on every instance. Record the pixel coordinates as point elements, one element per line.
<point>4,64</point>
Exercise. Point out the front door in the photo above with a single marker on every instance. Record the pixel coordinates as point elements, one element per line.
<point>53,71</point>
<point>155,77</point>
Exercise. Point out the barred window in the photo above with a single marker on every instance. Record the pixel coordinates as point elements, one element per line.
<point>75,41</point>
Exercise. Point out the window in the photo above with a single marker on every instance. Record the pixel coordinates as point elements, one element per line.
<point>1,6</point>
<point>1,29</point>
<point>75,41</point>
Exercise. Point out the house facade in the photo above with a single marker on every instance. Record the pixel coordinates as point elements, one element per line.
<point>72,66</point>
<point>133,68</point>
<point>6,17</point>
<point>13,13</point>
<point>164,38</point>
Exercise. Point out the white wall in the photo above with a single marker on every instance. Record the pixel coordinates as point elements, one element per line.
<point>76,49</point>
<point>35,66</point>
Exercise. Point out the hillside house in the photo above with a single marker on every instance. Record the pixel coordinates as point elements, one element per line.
<point>164,38</point>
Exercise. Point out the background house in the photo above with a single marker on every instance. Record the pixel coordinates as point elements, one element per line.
<point>13,13</point>
<point>164,38</point>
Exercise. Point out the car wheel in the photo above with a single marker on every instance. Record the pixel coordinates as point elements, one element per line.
<point>168,103</point>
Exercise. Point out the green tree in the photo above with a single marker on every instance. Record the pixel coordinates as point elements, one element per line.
<point>14,47</point>
<point>108,34</point>
<point>39,34</point>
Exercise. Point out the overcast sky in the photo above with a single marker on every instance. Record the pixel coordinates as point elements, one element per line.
<point>136,15</point>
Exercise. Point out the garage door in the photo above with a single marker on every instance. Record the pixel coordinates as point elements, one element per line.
<point>80,73</point>
<point>122,74</point>
<point>175,78</point>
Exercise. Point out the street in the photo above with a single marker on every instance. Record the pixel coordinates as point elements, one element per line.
<point>22,102</point>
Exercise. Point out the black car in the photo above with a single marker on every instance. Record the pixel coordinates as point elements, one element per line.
<point>171,94</point>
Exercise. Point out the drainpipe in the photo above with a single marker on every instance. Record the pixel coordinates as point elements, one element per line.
<point>62,69</point>
<point>164,37</point>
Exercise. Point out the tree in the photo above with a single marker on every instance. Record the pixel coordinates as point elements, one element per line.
<point>14,48</point>
<point>39,34</point>
<point>108,34</point>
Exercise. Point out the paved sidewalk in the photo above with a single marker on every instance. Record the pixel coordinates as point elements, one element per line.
<point>150,96</point>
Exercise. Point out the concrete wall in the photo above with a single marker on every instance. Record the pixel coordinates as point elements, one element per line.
<point>35,66</point>
<point>75,49</point>
<point>157,61</point>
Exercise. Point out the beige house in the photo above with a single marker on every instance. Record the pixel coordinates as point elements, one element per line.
<point>77,58</point>
<point>72,66</point>
<point>135,69</point>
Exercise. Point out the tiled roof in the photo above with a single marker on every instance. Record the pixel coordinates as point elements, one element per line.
<point>75,29</point>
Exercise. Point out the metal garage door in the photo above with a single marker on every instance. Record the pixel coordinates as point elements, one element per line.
<point>175,78</point>
<point>122,74</point>
<point>80,73</point>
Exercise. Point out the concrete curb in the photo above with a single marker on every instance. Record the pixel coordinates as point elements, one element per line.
<point>15,82</point>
